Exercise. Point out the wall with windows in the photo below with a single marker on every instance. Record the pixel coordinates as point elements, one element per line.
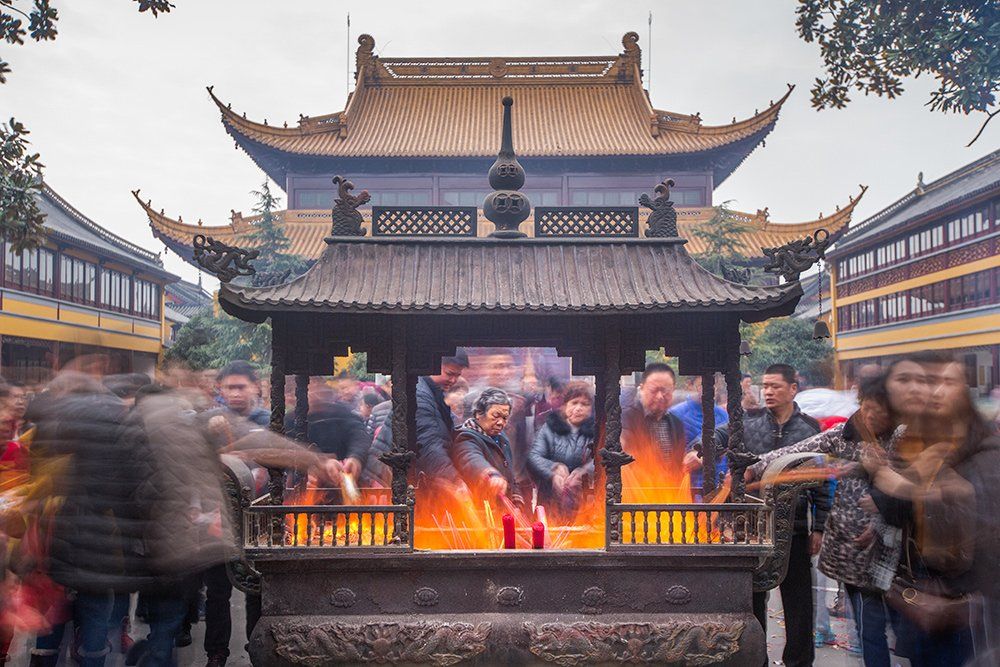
<point>970,224</point>
<point>66,277</point>
<point>946,296</point>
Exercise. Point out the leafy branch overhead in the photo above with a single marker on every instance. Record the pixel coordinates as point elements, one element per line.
<point>871,45</point>
<point>20,169</point>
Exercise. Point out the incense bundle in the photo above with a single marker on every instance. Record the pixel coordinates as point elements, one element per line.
<point>509,536</point>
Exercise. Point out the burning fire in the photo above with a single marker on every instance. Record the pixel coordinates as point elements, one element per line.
<point>446,519</point>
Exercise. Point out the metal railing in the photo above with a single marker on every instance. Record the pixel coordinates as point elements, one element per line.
<point>351,527</point>
<point>668,525</point>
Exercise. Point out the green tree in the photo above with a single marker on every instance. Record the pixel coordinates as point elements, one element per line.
<point>210,340</point>
<point>267,234</point>
<point>788,340</point>
<point>721,235</point>
<point>871,45</point>
<point>20,169</point>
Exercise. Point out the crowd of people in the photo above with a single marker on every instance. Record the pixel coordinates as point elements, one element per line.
<point>111,503</point>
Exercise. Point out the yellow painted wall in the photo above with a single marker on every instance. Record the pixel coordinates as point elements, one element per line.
<point>899,339</point>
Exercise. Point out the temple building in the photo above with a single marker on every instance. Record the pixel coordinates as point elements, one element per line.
<point>923,274</point>
<point>424,131</point>
<point>83,291</point>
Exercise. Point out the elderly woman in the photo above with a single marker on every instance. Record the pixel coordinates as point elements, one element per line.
<point>481,452</point>
<point>561,460</point>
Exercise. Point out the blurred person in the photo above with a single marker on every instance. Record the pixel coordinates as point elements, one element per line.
<point>455,398</point>
<point>334,428</point>
<point>17,401</point>
<point>943,490</point>
<point>239,393</point>
<point>435,423</point>
<point>779,425</point>
<point>860,550</point>
<point>751,399</point>
<point>649,423</point>
<point>501,372</point>
<point>551,400</point>
<point>561,461</point>
<point>369,400</point>
<point>481,452</point>
<point>691,414</point>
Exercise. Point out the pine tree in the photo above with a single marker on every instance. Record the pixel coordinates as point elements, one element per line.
<point>267,234</point>
<point>721,234</point>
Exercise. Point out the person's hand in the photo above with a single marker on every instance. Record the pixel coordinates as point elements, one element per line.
<point>866,537</point>
<point>332,469</point>
<point>867,504</point>
<point>575,479</point>
<point>496,484</point>
<point>218,426</point>
<point>873,458</point>
<point>815,542</point>
<point>351,466</point>
<point>692,461</point>
<point>749,474</point>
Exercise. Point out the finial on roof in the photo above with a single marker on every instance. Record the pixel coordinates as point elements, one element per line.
<point>920,183</point>
<point>630,41</point>
<point>505,206</point>
<point>662,218</point>
<point>346,217</point>
<point>364,54</point>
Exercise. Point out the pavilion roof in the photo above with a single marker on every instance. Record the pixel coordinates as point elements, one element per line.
<point>307,229</point>
<point>445,107</point>
<point>486,275</point>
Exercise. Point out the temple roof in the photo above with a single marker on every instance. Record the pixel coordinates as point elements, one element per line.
<point>487,275</point>
<point>446,107</point>
<point>307,229</point>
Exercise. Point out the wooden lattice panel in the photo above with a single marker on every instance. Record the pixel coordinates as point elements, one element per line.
<point>587,221</point>
<point>424,221</point>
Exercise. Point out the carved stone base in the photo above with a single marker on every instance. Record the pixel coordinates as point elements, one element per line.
<point>516,639</point>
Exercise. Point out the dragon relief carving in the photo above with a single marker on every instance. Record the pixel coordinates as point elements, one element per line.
<point>682,642</point>
<point>663,217</point>
<point>225,262</point>
<point>429,643</point>
<point>347,218</point>
<point>791,259</point>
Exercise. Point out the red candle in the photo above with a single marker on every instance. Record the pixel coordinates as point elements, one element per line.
<point>508,531</point>
<point>538,535</point>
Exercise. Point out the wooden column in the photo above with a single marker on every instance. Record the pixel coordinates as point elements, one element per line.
<point>612,456</point>
<point>302,407</point>
<point>398,458</point>
<point>708,456</point>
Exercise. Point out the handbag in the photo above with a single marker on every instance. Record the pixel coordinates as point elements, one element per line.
<point>926,603</point>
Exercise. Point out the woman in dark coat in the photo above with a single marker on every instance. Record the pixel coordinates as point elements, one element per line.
<point>561,461</point>
<point>481,452</point>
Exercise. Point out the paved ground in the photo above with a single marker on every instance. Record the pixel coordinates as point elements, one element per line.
<point>194,655</point>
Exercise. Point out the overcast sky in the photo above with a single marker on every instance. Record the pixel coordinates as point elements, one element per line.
<point>118,101</point>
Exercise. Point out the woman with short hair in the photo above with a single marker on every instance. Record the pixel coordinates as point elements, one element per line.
<point>481,452</point>
<point>561,461</point>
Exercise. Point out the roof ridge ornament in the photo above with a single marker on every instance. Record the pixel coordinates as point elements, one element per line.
<point>505,207</point>
<point>365,53</point>
<point>223,261</point>
<point>791,259</point>
<point>663,217</point>
<point>347,219</point>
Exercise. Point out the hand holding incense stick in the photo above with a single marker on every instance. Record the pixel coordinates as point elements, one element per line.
<point>350,488</point>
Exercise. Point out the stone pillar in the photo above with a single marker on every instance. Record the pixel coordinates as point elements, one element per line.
<point>612,456</point>
<point>708,454</point>
<point>398,458</point>
<point>276,483</point>
<point>302,407</point>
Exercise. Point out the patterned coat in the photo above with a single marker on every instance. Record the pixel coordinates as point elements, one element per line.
<point>840,557</point>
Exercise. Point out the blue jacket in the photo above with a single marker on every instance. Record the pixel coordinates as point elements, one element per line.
<point>690,414</point>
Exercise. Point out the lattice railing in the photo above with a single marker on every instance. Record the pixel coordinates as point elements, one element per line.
<point>424,220</point>
<point>669,525</point>
<point>578,221</point>
<point>273,527</point>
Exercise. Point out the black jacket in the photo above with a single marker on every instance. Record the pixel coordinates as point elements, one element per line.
<point>477,457</point>
<point>336,430</point>
<point>762,434</point>
<point>435,430</point>
<point>556,443</point>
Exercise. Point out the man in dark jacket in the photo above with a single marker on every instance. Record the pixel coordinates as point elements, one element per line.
<point>779,425</point>
<point>648,427</point>
<point>336,429</point>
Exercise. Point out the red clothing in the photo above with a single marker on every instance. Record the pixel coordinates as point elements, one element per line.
<point>13,465</point>
<point>830,422</point>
